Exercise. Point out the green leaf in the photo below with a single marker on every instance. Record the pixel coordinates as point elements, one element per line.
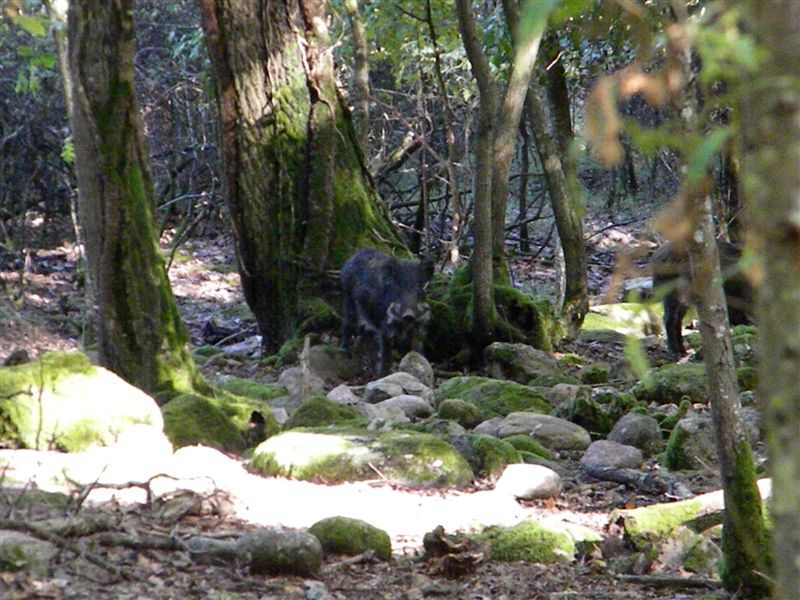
<point>637,360</point>
<point>45,59</point>
<point>68,151</point>
<point>33,25</point>
<point>705,153</point>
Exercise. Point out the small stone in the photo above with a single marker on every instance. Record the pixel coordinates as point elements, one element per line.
<point>527,482</point>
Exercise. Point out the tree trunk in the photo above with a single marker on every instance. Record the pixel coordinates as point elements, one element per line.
<point>299,192</point>
<point>771,163</point>
<point>743,537</point>
<point>567,216</point>
<point>141,336</point>
<point>360,73</point>
<point>524,165</point>
<point>525,48</point>
<point>484,311</point>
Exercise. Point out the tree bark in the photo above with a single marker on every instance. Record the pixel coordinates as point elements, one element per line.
<point>743,536</point>
<point>299,192</point>
<point>567,216</point>
<point>141,336</point>
<point>525,48</point>
<point>484,311</point>
<point>360,72</point>
<point>771,164</point>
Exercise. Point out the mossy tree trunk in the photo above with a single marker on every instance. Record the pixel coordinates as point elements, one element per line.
<point>743,535</point>
<point>141,336</point>
<point>771,166</point>
<point>360,71</point>
<point>300,196</point>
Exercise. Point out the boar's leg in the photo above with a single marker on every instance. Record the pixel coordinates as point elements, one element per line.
<point>674,311</point>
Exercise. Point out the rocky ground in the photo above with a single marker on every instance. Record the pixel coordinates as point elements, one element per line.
<point>41,309</point>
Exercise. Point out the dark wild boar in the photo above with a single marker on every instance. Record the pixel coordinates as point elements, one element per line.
<point>384,297</point>
<point>671,271</point>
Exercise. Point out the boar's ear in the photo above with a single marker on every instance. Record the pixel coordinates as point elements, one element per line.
<point>426,266</point>
<point>393,312</point>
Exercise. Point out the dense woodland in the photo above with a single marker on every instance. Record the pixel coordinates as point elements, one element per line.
<point>557,190</point>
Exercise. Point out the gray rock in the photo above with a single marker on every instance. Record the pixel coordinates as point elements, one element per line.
<point>381,415</point>
<point>20,551</point>
<point>332,364</point>
<point>275,551</point>
<point>413,407</point>
<point>418,366</point>
<point>342,394</point>
<point>606,454</point>
<point>528,482</point>
<point>518,362</point>
<point>694,442</point>
<point>280,413</point>
<point>489,427</point>
<point>638,430</point>
<point>551,432</point>
<point>396,384</point>
<point>292,380</point>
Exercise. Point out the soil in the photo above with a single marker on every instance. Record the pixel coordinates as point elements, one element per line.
<point>41,309</point>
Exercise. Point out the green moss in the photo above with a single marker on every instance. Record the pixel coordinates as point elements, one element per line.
<point>675,458</point>
<point>525,443</point>
<point>648,525</point>
<point>342,535</point>
<point>530,542</point>
<point>191,419</point>
<point>62,401</point>
<point>206,351</point>
<point>464,412</point>
<point>574,360</point>
<point>494,455</point>
<point>314,315</point>
<point>553,379</point>
<point>596,410</point>
<point>348,454</point>
<point>494,397</point>
<point>668,422</point>
<point>746,543</point>
<point>747,378</point>
<point>318,410</point>
<point>670,383</point>
<point>594,374</point>
<point>252,389</point>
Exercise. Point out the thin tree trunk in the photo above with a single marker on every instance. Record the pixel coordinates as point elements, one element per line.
<point>453,154</point>
<point>524,165</point>
<point>360,72</point>
<point>484,311</point>
<point>567,216</point>
<point>743,537</point>
<point>525,48</point>
<point>141,336</point>
<point>771,163</point>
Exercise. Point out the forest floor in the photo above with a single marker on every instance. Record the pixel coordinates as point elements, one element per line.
<point>41,310</point>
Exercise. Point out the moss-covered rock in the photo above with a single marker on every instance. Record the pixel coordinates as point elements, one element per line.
<point>203,353</point>
<point>190,419</point>
<point>314,315</point>
<point>536,541</point>
<point>518,362</point>
<point>353,455</point>
<point>521,318</point>
<point>318,411</point>
<point>594,374</point>
<point>747,377</point>
<point>62,401</point>
<point>670,383</point>
<point>553,379</point>
<point>343,535</point>
<point>465,413</point>
<point>525,443</point>
<point>596,409</point>
<point>493,397</point>
<point>493,455</point>
<point>247,388</point>
<point>647,526</point>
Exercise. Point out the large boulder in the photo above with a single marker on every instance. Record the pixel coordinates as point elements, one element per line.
<point>528,482</point>
<point>519,362</point>
<point>62,401</point>
<point>418,366</point>
<point>595,408</point>
<point>355,455</point>
<point>605,454</point>
<point>551,432</point>
<point>493,397</point>
<point>332,364</point>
